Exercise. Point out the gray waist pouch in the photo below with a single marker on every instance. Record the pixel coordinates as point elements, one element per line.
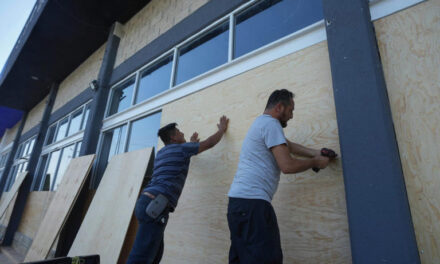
<point>157,206</point>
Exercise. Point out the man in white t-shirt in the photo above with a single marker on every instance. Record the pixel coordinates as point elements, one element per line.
<point>255,236</point>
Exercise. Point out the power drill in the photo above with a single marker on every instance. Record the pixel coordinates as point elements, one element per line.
<point>326,153</point>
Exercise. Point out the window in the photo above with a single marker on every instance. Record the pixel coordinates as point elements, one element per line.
<point>52,166</point>
<point>62,129</point>
<point>143,132</point>
<point>63,142</point>
<point>270,20</point>
<point>20,163</point>
<point>130,136</point>
<point>122,97</point>
<point>204,53</point>
<point>68,126</point>
<point>155,79</point>
<point>75,122</point>
<point>51,134</point>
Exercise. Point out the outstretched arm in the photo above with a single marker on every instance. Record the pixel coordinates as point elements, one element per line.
<point>289,164</point>
<point>300,150</point>
<point>213,139</point>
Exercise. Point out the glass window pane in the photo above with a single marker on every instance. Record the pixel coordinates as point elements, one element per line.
<point>31,146</point>
<point>86,117</point>
<point>19,151</point>
<point>144,132</point>
<point>273,19</point>
<point>50,134</point>
<point>40,172</point>
<point>155,79</point>
<point>117,141</point>
<point>112,144</point>
<point>25,149</point>
<point>75,122</point>
<point>51,170</point>
<point>78,149</point>
<point>121,98</point>
<point>66,156</point>
<point>203,54</point>
<point>62,129</point>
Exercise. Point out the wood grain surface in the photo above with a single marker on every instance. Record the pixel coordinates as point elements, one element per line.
<point>105,225</point>
<point>310,206</point>
<point>409,43</point>
<point>9,196</point>
<point>64,199</point>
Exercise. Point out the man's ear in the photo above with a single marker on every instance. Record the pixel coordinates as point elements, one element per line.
<point>279,108</point>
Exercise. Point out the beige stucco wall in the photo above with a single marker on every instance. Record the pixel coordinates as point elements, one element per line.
<point>35,115</point>
<point>79,79</point>
<point>409,43</point>
<point>9,135</point>
<point>310,206</point>
<point>153,20</point>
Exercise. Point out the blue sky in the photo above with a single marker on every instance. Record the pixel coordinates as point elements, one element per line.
<point>13,16</point>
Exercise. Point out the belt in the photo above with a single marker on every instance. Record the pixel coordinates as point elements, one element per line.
<point>149,195</point>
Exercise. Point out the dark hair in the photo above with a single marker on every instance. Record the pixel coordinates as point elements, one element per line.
<point>278,96</point>
<point>166,132</point>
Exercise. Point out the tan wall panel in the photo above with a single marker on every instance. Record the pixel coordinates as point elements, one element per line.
<point>9,135</point>
<point>153,20</point>
<point>34,211</point>
<point>79,79</point>
<point>409,44</point>
<point>310,207</point>
<point>35,115</point>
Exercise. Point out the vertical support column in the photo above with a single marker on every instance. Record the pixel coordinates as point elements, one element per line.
<point>380,224</point>
<point>24,190</point>
<point>91,137</point>
<point>10,160</point>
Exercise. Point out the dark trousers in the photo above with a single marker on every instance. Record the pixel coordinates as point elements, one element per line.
<point>148,245</point>
<point>255,237</point>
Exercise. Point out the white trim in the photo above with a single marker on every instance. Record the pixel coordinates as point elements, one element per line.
<point>383,8</point>
<point>63,142</point>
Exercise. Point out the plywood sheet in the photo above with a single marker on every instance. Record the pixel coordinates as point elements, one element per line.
<point>9,196</point>
<point>310,206</point>
<point>59,209</point>
<point>106,222</point>
<point>409,44</point>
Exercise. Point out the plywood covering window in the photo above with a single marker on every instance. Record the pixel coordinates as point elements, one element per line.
<point>62,143</point>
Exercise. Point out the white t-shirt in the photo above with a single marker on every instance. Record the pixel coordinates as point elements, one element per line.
<point>258,173</point>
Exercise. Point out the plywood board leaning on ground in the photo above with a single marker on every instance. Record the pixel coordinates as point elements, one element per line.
<point>10,195</point>
<point>60,207</point>
<point>409,47</point>
<point>106,222</point>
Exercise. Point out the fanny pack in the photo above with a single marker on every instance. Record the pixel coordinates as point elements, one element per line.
<point>156,207</point>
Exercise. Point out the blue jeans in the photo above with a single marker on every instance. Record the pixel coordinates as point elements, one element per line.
<point>148,246</point>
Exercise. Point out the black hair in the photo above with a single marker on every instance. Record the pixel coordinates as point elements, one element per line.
<point>278,96</point>
<point>166,132</point>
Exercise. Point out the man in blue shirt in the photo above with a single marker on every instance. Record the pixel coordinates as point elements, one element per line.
<point>255,237</point>
<point>169,174</point>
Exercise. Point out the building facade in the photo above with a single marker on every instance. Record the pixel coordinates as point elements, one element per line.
<point>192,61</point>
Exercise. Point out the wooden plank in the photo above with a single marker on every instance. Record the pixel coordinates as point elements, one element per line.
<point>70,186</point>
<point>106,223</point>
<point>409,47</point>
<point>10,195</point>
<point>310,206</point>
